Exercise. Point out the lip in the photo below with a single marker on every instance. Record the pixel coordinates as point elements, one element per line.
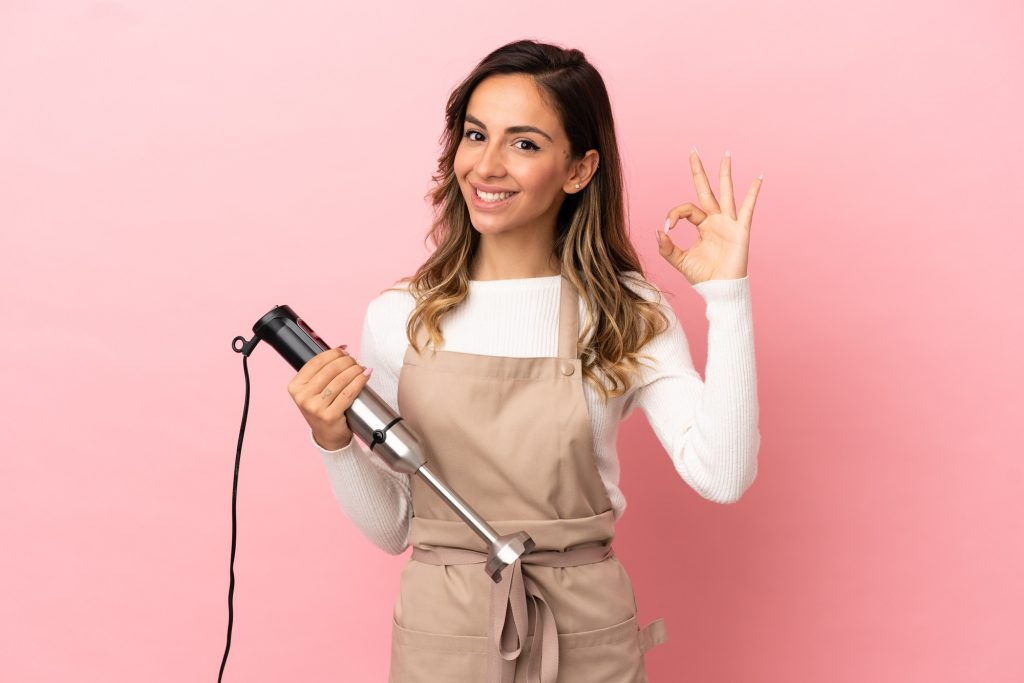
<point>491,188</point>
<point>481,204</point>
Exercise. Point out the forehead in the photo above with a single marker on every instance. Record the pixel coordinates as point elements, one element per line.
<point>507,100</point>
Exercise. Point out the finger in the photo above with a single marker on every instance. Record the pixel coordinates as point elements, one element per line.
<point>320,393</point>
<point>725,184</point>
<point>689,211</point>
<point>670,251</point>
<point>700,180</point>
<point>318,382</point>
<point>747,210</point>
<point>346,395</point>
<point>313,365</point>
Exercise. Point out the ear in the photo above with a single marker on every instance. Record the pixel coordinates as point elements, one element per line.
<point>581,172</point>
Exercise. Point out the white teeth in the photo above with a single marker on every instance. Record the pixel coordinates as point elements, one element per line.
<point>492,197</point>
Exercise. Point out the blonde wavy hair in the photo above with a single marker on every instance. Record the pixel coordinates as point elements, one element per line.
<point>591,240</point>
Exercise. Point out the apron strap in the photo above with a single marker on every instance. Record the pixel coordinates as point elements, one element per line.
<point>568,321</point>
<point>509,615</point>
<point>653,634</point>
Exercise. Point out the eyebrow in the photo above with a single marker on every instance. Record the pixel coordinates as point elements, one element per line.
<point>511,129</point>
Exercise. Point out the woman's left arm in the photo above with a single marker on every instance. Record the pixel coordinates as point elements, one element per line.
<point>711,431</point>
<point>709,428</point>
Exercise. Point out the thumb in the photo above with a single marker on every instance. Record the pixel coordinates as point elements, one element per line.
<point>668,250</point>
<point>663,240</point>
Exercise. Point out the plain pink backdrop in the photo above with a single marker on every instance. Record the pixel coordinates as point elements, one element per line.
<point>171,171</point>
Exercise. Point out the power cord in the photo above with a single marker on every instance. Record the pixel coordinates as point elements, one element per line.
<point>245,350</point>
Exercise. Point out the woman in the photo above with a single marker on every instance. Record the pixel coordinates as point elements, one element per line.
<point>532,249</point>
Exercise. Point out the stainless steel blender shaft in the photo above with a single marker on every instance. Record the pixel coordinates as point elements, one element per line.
<point>372,420</point>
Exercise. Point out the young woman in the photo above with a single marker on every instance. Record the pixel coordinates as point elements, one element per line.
<point>546,316</point>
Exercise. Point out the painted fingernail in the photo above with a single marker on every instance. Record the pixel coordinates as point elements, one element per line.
<point>668,222</point>
<point>368,371</point>
<point>761,177</point>
<point>694,150</point>
<point>728,153</point>
<point>658,233</point>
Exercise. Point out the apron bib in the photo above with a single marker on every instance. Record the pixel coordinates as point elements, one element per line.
<point>513,437</point>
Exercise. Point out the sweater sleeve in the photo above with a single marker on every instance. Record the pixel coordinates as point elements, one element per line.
<point>708,427</point>
<point>377,499</point>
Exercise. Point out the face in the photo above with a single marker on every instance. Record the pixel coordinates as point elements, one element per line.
<point>531,163</point>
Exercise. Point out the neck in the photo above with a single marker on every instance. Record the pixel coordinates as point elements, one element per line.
<point>508,256</point>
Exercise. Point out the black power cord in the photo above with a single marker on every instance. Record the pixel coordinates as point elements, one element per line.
<point>245,350</point>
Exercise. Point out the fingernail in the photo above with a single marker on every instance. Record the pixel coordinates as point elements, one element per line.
<point>368,371</point>
<point>658,233</point>
<point>728,153</point>
<point>668,221</point>
<point>694,150</point>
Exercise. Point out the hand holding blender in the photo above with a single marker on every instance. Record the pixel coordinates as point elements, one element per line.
<point>331,392</point>
<point>324,389</point>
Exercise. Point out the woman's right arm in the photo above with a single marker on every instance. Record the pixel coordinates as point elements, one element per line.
<point>377,499</point>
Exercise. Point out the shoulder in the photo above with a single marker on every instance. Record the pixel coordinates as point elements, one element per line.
<point>642,287</point>
<point>396,297</point>
<point>386,316</point>
<point>651,291</point>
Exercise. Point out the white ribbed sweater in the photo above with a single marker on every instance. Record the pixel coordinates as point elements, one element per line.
<point>708,428</point>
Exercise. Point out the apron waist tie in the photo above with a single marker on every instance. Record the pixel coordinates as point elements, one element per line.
<point>509,619</point>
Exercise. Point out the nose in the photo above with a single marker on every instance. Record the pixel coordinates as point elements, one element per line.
<point>490,162</point>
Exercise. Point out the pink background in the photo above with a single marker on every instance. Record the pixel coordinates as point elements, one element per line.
<point>170,172</point>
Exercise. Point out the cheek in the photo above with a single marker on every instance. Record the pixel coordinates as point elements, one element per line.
<point>541,182</point>
<point>462,162</point>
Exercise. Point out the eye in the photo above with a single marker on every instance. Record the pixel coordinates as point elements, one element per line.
<point>532,147</point>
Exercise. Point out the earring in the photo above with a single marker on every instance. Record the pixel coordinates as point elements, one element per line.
<point>577,186</point>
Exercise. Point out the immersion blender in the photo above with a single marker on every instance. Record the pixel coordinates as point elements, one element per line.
<point>372,420</point>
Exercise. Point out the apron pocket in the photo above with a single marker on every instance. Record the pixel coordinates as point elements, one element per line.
<point>424,657</point>
<point>614,654</point>
<point>605,655</point>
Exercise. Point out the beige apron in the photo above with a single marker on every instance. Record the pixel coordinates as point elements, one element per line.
<point>512,436</point>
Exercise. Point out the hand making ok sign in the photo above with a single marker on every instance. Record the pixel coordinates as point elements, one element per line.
<point>723,238</point>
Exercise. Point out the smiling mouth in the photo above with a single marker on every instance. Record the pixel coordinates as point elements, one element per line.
<point>493,196</point>
<point>491,199</point>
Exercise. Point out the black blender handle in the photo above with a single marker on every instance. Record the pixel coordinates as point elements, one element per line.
<point>284,330</point>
